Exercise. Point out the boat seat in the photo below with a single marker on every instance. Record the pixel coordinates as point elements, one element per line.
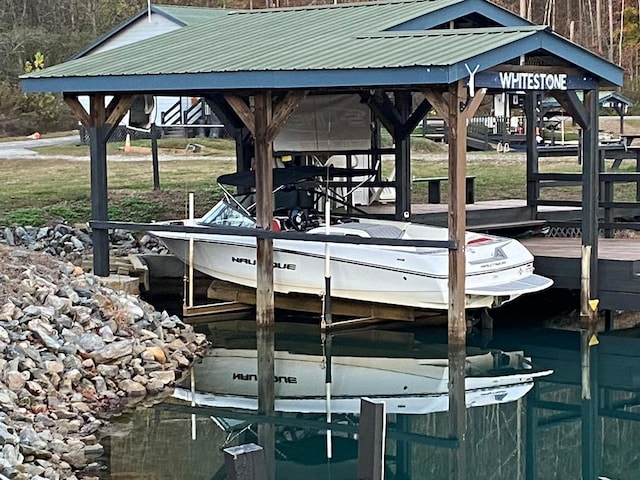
<point>373,230</point>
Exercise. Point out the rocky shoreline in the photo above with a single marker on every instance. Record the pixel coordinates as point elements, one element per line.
<point>73,352</point>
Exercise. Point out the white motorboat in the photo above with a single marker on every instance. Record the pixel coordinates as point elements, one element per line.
<point>228,378</point>
<point>498,269</point>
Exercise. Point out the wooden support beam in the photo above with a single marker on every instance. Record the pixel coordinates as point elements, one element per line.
<point>383,110</point>
<point>98,131</point>
<point>533,164</point>
<point>264,208</point>
<point>457,213</point>
<point>282,111</point>
<point>439,101</point>
<point>415,118</point>
<point>402,142</point>
<point>243,111</point>
<point>571,103</point>
<point>78,110</point>
<point>118,108</point>
<point>457,320</point>
<point>472,105</point>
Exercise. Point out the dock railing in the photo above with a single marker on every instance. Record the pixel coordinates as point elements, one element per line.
<point>619,214</point>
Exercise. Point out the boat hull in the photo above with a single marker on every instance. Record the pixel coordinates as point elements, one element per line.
<point>406,276</point>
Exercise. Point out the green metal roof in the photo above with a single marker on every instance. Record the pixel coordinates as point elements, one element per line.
<point>188,15</point>
<point>353,39</point>
<point>184,51</point>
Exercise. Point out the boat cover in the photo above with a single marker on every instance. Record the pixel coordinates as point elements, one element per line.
<point>293,174</point>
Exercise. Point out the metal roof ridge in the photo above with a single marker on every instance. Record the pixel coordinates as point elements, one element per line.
<point>183,7</point>
<point>450,31</point>
<point>333,6</point>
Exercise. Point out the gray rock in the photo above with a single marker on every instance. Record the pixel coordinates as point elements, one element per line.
<point>8,236</point>
<point>112,351</point>
<point>70,347</point>
<point>7,436</point>
<point>132,388</point>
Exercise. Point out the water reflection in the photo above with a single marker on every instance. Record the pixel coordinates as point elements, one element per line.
<point>546,434</point>
<point>409,376</point>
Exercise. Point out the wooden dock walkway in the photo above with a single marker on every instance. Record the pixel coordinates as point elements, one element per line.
<point>618,267</point>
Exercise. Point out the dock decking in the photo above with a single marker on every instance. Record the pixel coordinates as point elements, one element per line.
<point>618,267</point>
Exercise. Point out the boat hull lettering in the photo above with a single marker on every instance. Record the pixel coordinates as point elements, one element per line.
<point>249,261</point>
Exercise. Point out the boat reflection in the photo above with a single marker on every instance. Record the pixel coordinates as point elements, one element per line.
<point>411,377</point>
<point>549,433</point>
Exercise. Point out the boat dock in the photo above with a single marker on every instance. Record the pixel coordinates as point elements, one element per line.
<point>618,267</point>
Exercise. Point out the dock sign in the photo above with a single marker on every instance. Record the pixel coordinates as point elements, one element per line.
<point>516,81</point>
<point>533,81</point>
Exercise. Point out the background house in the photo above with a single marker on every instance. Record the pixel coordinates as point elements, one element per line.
<point>174,115</point>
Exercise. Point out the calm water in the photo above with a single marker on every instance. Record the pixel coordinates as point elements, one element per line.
<point>552,432</point>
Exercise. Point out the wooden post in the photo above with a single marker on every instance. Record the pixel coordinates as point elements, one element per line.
<point>98,135</point>
<point>245,462</point>
<point>100,123</point>
<point>155,133</point>
<point>456,108</point>
<point>403,158</point>
<point>590,195</point>
<point>533,187</point>
<point>264,209</point>
<point>371,440</point>
<point>457,320</point>
<point>589,281</point>
<point>264,272</point>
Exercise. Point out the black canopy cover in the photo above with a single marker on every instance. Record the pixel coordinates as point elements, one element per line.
<point>293,174</point>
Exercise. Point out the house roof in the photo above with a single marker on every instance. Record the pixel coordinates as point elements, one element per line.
<point>337,46</point>
<point>181,16</point>
<point>603,98</point>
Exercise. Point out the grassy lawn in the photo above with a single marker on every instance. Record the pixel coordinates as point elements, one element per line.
<point>37,191</point>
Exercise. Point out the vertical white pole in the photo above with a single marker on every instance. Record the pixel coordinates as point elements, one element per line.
<point>193,403</point>
<point>149,10</point>
<point>191,218</point>
<point>327,319</point>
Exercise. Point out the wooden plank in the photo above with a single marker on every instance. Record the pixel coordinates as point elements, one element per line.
<point>371,440</point>
<point>245,462</point>
<point>626,249</point>
<point>216,308</point>
<point>311,303</point>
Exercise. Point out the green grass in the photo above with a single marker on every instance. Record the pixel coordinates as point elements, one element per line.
<point>39,191</point>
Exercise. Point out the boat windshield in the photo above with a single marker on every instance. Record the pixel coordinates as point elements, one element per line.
<point>225,213</point>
